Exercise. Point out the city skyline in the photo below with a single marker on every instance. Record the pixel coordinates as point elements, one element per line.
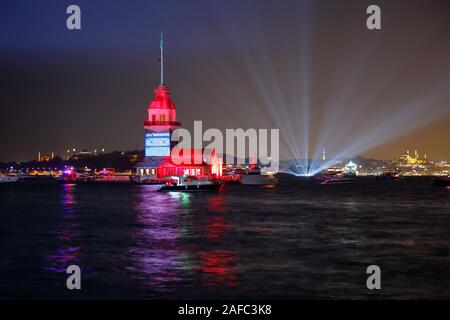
<point>91,87</point>
<point>415,154</point>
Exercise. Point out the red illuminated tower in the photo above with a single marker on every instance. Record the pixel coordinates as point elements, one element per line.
<point>159,126</point>
<point>162,116</point>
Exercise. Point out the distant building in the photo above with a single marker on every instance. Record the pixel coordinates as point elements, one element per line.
<point>351,168</point>
<point>42,157</point>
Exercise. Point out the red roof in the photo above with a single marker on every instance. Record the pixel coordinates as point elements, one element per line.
<point>162,99</point>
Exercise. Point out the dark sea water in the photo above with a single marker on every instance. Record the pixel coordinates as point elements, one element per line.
<point>299,240</point>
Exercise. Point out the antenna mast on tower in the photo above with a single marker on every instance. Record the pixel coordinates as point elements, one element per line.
<point>161,46</point>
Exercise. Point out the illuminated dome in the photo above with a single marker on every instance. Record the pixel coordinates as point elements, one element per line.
<point>162,99</point>
<point>162,114</point>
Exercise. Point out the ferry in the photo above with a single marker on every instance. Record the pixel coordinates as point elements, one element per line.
<point>189,184</point>
<point>255,178</point>
<point>113,179</point>
<point>109,176</point>
<point>106,176</point>
<point>335,176</point>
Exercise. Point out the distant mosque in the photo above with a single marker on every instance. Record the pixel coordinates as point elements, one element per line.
<point>413,160</point>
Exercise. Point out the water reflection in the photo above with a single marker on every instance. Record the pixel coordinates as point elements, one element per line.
<point>66,233</point>
<point>219,266</point>
<point>215,227</point>
<point>68,198</point>
<point>216,224</point>
<point>157,258</point>
<point>172,248</point>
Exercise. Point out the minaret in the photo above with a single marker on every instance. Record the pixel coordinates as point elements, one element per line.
<point>324,154</point>
<point>39,156</point>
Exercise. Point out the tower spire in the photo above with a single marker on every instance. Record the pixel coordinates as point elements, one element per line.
<point>161,46</point>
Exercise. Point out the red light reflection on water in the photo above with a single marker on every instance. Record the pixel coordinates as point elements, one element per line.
<point>163,255</point>
<point>215,227</point>
<point>68,199</point>
<point>219,267</point>
<point>216,203</point>
<point>63,258</point>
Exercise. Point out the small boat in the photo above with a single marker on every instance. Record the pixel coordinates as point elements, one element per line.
<point>8,178</point>
<point>390,175</point>
<point>336,180</point>
<point>255,178</point>
<point>69,175</point>
<point>189,184</point>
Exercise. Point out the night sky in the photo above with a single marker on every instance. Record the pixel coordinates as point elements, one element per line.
<point>310,68</point>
